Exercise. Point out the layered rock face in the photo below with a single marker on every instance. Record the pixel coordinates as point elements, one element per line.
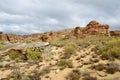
<point>94,28</point>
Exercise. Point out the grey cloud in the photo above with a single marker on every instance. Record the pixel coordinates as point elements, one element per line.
<point>33,16</point>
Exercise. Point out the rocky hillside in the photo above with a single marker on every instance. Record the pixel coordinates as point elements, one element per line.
<point>87,53</point>
<point>92,28</point>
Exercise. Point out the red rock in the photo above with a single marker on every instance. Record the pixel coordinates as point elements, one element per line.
<point>94,28</point>
<point>114,33</point>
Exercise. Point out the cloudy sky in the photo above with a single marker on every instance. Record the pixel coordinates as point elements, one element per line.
<point>35,16</point>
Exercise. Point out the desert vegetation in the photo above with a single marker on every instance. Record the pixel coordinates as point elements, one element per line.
<point>94,57</point>
<point>34,54</point>
<point>65,63</point>
<point>112,48</point>
<point>14,55</point>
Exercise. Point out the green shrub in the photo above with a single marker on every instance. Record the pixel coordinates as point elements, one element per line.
<point>34,54</point>
<point>112,49</point>
<point>65,63</point>
<point>59,42</point>
<point>15,74</point>
<point>74,75</point>
<point>34,75</point>
<point>86,75</point>
<point>27,41</point>
<point>69,50</point>
<point>1,45</point>
<point>14,55</point>
<point>115,52</point>
<point>83,43</point>
<point>18,75</point>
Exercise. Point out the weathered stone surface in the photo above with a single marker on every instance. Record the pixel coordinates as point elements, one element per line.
<point>114,33</point>
<point>48,36</point>
<point>45,37</point>
<point>12,38</point>
<point>77,32</point>
<point>94,28</point>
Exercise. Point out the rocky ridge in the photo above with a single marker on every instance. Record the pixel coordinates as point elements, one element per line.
<point>92,28</point>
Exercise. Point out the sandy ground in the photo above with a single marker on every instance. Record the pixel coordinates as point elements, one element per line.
<point>57,74</point>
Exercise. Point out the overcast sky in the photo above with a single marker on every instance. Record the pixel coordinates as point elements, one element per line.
<point>36,16</point>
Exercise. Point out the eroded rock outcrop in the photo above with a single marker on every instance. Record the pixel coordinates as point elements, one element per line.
<point>94,28</point>
<point>77,32</point>
<point>48,36</point>
<point>114,33</point>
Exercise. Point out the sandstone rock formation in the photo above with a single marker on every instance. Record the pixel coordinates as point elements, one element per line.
<point>12,38</point>
<point>48,36</point>
<point>44,37</point>
<point>77,32</point>
<point>114,33</point>
<point>94,28</point>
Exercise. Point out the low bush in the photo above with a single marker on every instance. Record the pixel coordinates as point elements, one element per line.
<point>85,75</point>
<point>1,44</point>
<point>34,54</point>
<point>35,75</point>
<point>59,42</point>
<point>65,63</point>
<point>69,50</point>
<point>15,75</point>
<point>27,41</point>
<point>74,75</point>
<point>112,49</point>
<point>14,55</point>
